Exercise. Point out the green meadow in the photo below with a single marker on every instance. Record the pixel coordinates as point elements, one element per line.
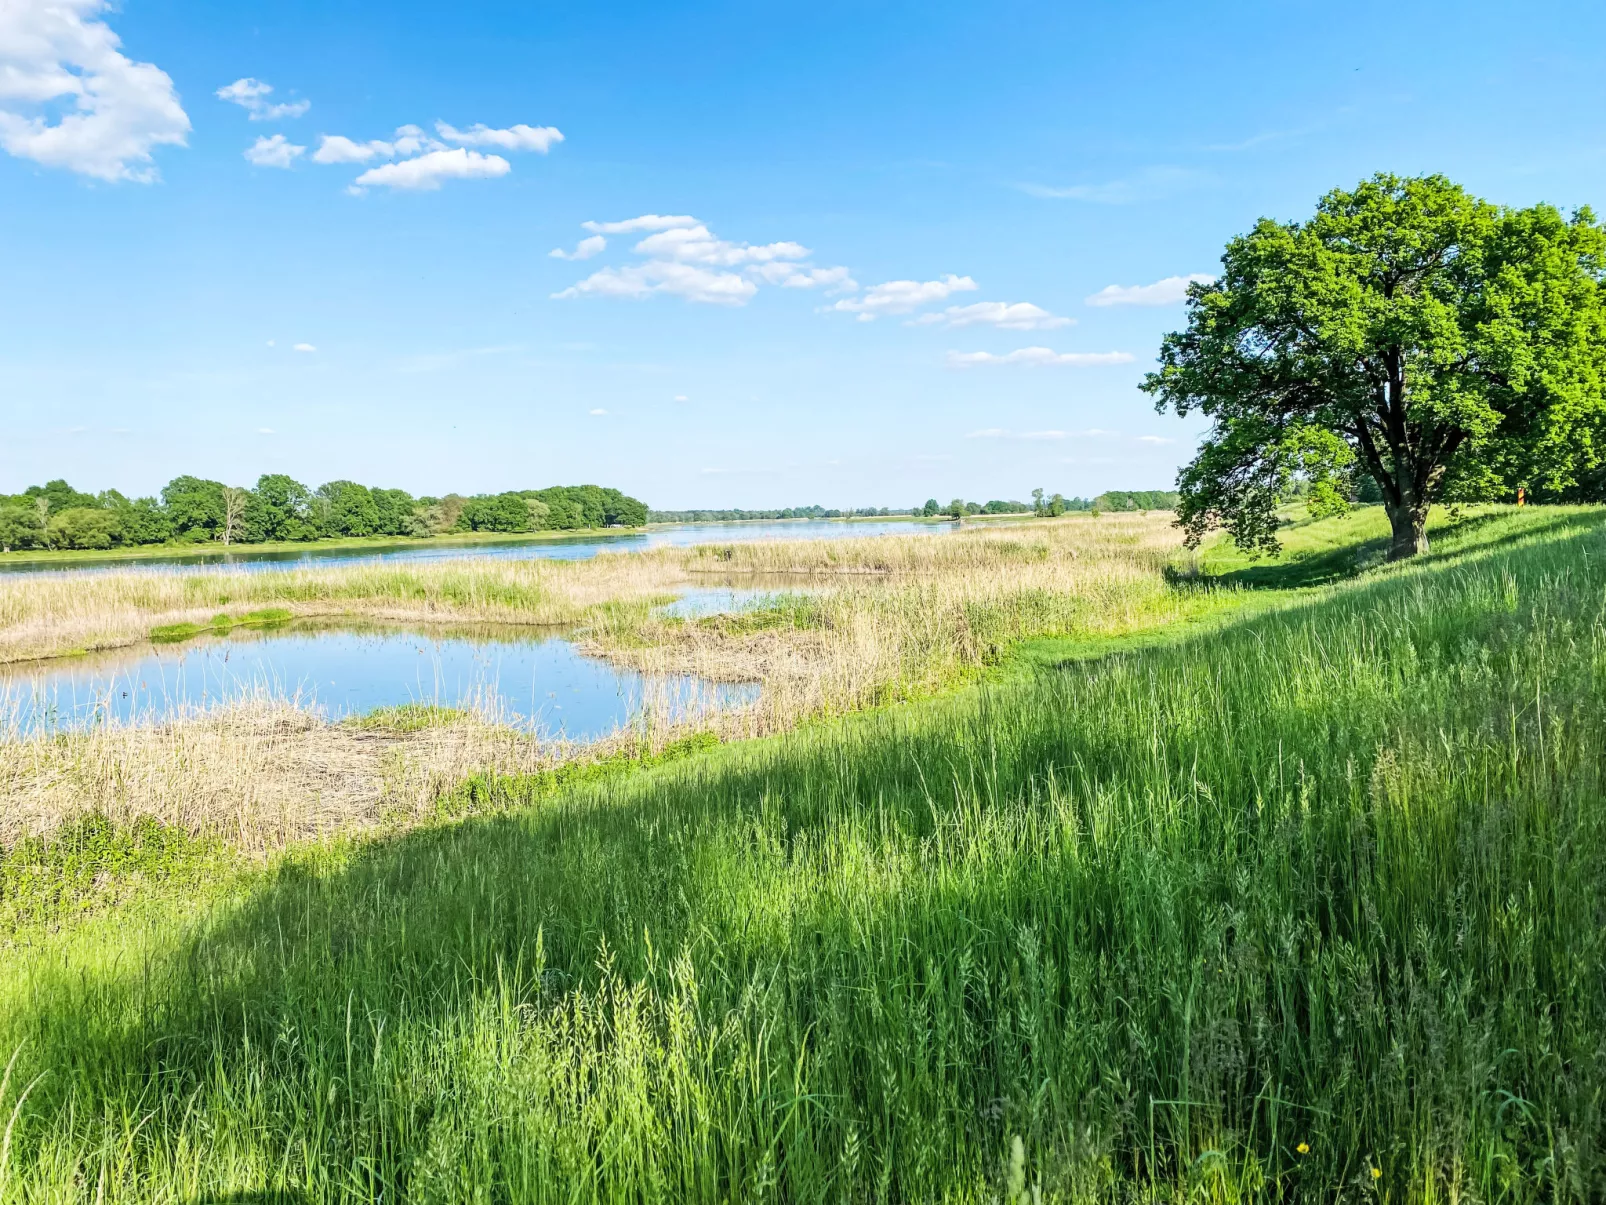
<point>1302,897</point>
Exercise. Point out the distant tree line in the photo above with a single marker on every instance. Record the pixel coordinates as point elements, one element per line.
<point>1054,505</point>
<point>193,510</point>
<point>790,512</point>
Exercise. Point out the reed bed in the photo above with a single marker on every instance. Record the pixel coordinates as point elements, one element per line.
<point>264,770</point>
<point>1309,908</point>
<point>883,619</point>
<point>53,615</point>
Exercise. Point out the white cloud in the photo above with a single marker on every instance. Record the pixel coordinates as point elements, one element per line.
<point>795,276</point>
<point>1019,316</point>
<point>117,110</point>
<point>277,151</point>
<point>598,410</point>
<point>304,347</point>
<point>695,245</point>
<point>410,140</point>
<point>1038,356</point>
<point>585,249</point>
<point>427,171</point>
<point>1155,439</point>
<point>334,148</point>
<point>903,296</point>
<point>1170,291</point>
<point>252,96</point>
<point>424,162</point>
<point>694,283</point>
<point>647,221</point>
<point>683,258</point>
<point>681,397</point>
<point>514,138</point>
<point>265,431</point>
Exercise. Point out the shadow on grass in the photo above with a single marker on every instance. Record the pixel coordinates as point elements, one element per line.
<point>1455,538</point>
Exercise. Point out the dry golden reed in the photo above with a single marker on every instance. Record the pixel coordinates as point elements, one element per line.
<point>864,622</point>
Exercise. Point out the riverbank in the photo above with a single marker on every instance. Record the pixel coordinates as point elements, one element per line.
<point>219,553</point>
<point>1289,902</point>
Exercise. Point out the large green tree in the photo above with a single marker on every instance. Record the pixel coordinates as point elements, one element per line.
<point>1444,346</point>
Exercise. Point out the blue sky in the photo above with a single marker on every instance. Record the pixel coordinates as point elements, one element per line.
<point>994,166</point>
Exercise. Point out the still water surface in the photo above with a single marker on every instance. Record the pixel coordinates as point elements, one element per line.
<point>569,549</point>
<point>540,683</point>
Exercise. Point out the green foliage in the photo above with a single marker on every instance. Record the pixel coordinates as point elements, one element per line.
<point>282,509</point>
<point>267,617</point>
<point>92,861</point>
<point>344,508</point>
<point>84,528</point>
<point>931,508</point>
<point>1456,349</point>
<point>20,527</point>
<point>194,506</point>
<point>1129,500</point>
<point>59,496</point>
<point>194,510</point>
<point>508,512</point>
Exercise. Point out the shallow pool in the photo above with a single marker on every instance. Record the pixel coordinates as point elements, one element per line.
<point>537,682</point>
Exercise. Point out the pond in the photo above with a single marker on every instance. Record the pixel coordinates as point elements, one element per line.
<point>540,683</point>
<point>293,556</point>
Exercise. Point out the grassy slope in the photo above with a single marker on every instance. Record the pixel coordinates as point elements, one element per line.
<point>1333,874</point>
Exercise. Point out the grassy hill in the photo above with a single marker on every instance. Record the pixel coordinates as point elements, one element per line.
<point>1304,900</point>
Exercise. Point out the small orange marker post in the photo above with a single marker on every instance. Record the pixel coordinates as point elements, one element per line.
<point>1522,496</point>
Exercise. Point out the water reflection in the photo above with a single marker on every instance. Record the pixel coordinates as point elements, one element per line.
<point>536,682</point>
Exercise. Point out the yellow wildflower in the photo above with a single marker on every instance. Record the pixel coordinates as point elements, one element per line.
<point>1303,1148</point>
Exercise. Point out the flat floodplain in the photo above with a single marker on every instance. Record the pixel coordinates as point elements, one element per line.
<point>1184,878</point>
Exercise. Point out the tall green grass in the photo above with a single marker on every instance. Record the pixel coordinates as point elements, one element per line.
<point>1309,907</point>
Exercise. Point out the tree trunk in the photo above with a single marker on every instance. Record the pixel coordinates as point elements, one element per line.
<point>1410,524</point>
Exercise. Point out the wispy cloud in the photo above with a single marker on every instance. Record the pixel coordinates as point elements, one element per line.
<point>647,221</point>
<point>1173,290</point>
<point>903,296</point>
<point>429,171</point>
<point>252,96</point>
<point>424,163</point>
<point>682,257</point>
<point>584,249</point>
<point>1038,357</point>
<point>305,347</point>
<point>539,139</point>
<point>1151,184</point>
<point>277,151</point>
<point>599,410</point>
<point>1009,316</point>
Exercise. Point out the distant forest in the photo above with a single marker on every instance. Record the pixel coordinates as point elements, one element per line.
<point>192,510</point>
<point>1057,504</point>
<point>790,512</point>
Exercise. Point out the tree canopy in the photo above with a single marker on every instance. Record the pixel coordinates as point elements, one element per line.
<point>279,508</point>
<point>1447,348</point>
